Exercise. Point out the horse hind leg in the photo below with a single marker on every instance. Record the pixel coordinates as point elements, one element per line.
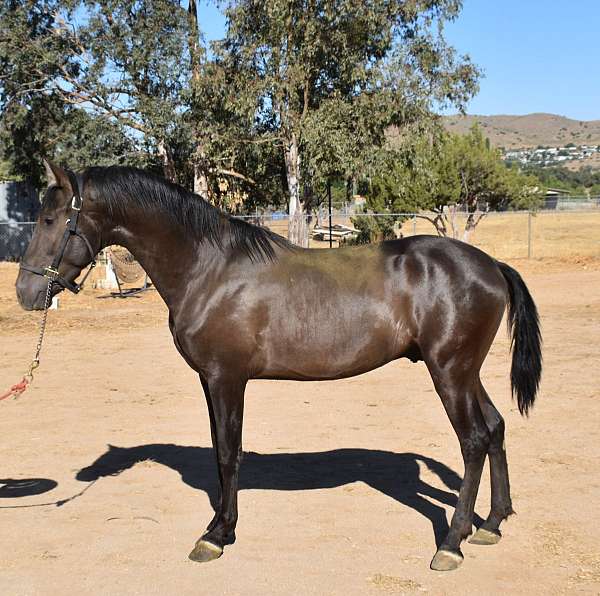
<point>501,508</point>
<point>457,390</point>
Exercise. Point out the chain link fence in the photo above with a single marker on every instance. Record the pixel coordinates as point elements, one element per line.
<point>504,235</point>
<point>14,239</point>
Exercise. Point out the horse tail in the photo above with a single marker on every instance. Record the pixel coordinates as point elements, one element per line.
<point>526,340</point>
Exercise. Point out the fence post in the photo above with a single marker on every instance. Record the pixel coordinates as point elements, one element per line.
<point>414,225</point>
<point>529,234</point>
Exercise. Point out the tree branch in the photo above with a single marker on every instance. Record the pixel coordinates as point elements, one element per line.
<point>235,174</point>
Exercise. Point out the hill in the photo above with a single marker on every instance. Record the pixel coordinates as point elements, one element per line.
<point>531,130</point>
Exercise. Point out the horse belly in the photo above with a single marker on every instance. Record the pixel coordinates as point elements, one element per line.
<point>333,348</point>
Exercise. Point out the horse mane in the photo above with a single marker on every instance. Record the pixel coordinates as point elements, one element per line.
<point>121,188</point>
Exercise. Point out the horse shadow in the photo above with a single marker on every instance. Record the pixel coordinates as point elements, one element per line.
<point>396,475</point>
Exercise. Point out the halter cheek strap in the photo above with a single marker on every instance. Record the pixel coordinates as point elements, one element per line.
<point>51,273</point>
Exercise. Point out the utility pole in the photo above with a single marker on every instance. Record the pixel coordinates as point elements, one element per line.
<point>329,207</point>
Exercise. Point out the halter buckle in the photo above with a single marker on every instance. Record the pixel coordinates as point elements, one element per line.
<point>50,273</point>
<point>76,203</point>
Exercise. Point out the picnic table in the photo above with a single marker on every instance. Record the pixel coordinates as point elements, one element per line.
<point>338,232</point>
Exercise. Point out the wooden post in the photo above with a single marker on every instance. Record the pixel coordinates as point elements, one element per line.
<point>529,235</point>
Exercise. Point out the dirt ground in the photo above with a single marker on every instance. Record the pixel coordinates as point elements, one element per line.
<point>345,485</point>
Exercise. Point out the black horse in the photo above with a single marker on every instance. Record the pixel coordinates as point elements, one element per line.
<point>246,304</point>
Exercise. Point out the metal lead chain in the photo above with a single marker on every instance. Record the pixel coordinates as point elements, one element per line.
<point>36,359</point>
<point>18,389</point>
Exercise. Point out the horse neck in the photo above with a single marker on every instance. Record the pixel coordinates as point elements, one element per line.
<point>170,256</point>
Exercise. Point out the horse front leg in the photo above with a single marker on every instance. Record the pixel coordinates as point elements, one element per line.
<point>225,400</point>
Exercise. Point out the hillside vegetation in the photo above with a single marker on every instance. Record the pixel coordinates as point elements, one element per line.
<point>531,130</point>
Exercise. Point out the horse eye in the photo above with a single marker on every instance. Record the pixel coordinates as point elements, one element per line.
<point>48,221</point>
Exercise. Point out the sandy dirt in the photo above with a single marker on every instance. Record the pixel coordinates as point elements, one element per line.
<point>345,484</point>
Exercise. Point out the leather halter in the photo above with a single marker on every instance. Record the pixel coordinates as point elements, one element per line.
<point>51,273</point>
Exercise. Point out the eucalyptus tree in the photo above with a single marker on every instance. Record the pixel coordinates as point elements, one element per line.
<point>328,78</point>
<point>25,114</point>
<point>125,61</point>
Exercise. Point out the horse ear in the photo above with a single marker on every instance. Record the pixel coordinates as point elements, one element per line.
<point>56,175</point>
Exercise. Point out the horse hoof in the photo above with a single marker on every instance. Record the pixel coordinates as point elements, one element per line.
<point>205,551</point>
<point>446,560</point>
<point>486,537</point>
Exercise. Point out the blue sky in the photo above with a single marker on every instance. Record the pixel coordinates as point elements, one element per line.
<point>537,55</point>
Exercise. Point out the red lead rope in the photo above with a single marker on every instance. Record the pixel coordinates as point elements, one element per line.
<point>17,389</point>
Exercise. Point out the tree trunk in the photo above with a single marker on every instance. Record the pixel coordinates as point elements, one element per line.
<point>297,227</point>
<point>438,222</point>
<point>167,160</point>
<point>196,55</point>
<point>472,221</point>
<point>200,180</point>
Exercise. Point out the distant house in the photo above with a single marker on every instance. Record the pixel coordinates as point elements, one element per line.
<point>557,192</point>
<point>553,196</point>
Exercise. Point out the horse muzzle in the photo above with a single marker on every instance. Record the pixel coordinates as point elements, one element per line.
<point>31,291</point>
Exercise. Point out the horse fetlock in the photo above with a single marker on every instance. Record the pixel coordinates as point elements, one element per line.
<point>460,530</point>
<point>498,514</point>
<point>220,535</point>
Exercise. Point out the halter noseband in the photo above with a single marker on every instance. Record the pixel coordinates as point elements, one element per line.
<point>51,273</point>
